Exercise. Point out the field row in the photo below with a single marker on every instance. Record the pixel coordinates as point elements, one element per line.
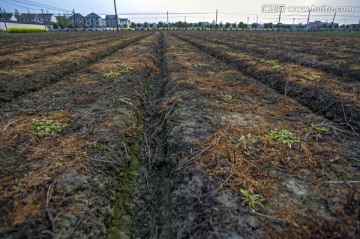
<point>169,135</point>
<point>335,98</point>
<point>22,78</point>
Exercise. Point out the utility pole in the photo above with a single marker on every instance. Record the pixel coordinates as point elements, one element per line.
<point>333,21</point>
<point>167,19</point>
<point>257,18</point>
<point>74,19</point>
<point>307,23</point>
<point>280,16</point>
<point>2,13</point>
<point>216,18</point>
<point>117,18</point>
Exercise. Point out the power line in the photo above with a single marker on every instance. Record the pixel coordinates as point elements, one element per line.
<point>42,6</point>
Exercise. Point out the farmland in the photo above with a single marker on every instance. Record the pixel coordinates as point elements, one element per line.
<point>179,134</point>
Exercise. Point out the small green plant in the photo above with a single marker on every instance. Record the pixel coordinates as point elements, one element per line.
<point>227,97</point>
<point>46,127</point>
<point>248,143</point>
<point>113,74</point>
<point>273,64</point>
<point>312,77</point>
<point>317,130</point>
<point>341,62</point>
<point>126,70</point>
<point>252,199</point>
<point>14,72</point>
<point>283,136</point>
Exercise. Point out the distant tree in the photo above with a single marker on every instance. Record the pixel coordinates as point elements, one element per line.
<point>336,25</point>
<point>160,24</point>
<point>254,25</point>
<point>268,25</point>
<point>217,26</point>
<point>17,14</point>
<point>70,25</point>
<point>234,25</point>
<point>227,25</point>
<point>133,25</point>
<point>138,25</point>
<point>241,25</point>
<point>61,25</point>
<point>221,25</point>
<point>55,25</point>
<point>325,25</point>
<point>86,25</point>
<point>146,25</point>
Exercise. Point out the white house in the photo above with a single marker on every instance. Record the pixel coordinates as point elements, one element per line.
<point>38,17</point>
<point>77,19</point>
<point>111,20</point>
<point>93,20</point>
<point>124,22</point>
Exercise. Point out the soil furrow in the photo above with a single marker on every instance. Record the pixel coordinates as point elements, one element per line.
<point>330,66</point>
<point>317,99</point>
<point>14,88</point>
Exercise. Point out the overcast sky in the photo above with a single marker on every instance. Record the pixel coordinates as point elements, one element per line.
<point>229,10</point>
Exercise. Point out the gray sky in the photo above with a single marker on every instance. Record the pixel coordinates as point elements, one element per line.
<point>229,10</point>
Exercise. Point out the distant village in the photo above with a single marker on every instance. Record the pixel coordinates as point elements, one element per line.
<point>94,21</point>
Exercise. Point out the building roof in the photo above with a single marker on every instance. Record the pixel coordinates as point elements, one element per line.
<point>33,15</point>
<point>77,15</point>
<point>93,15</point>
<point>7,16</point>
<point>124,19</point>
<point>110,16</point>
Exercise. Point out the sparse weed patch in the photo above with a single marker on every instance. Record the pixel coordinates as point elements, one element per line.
<point>283,136</point>
<point>312,77</point>
<point>47,127</point>
<point>252,199</point>
<point>341,62</point>
<point>113,74</point>
<point>226,97</point>
<point>248,143</point>
<point>273,64</point>
<point>317,130</point>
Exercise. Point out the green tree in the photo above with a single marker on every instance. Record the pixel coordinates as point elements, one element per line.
<point>254,25</point>
<point>55,25</point>
<point>146,25</point>
<point>70,25</point>
<point>241,25</point>
<point>234,25</point>
<point>133,25</point>
<point>221,25</point>
<point>17,14</point>
<point>227,25</point>
<point>86,25</point>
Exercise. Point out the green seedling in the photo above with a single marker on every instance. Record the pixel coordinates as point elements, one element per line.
<point>46,127</point>
<point>312,78</point>
<point>248,143</point>
<point>273,64</point>
<point>283,136</point>
<point>252,199</point>
<point>341,62</point>
<point>113,74</point>
<point>317,130</point>
<point>227,97</point>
